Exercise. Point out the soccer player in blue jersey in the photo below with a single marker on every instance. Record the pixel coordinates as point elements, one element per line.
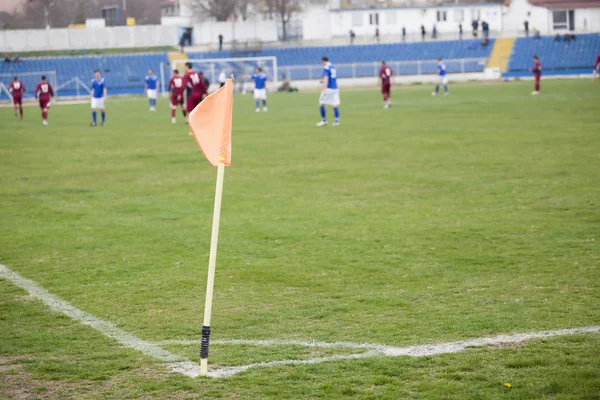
<point>98,97</point>
<point>260,91</point>
<point>330,94</point>
<point>442,78</point>
<point>151,89</point>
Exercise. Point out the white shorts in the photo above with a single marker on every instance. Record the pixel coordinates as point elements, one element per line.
<point>98,103</point>
<point>442,80</point>
<point>152,93</point>
<point>260,94</point>
<point>330,97</point>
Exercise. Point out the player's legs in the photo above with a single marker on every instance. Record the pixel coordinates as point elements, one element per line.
<point>152,99</point>
<point>174,102</point>
<point>103,115</point>
<point>336,114</point>
<point>94,105</point>
<point>183,110</point>
<point>335,102</point>
<point>537,85</point>
<point>385,90</point>
<point>257,99</point>
<point>445,82</point>
<point>44,107</point>
<point>21,108</point>
<point>322,101</point>
<point>15,105</point>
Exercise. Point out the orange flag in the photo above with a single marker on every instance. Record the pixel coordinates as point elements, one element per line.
<point>210,123</point>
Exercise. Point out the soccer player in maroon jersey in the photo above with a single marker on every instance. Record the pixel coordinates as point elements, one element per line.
<point>16,90</point>
<point>597,66</point>
<point>385,73</point>
<point>537,74</point>
<point>195,88</point>
<point>44,92</point>
<point>176,89</point>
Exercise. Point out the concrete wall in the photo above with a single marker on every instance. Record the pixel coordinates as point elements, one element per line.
<point>208,32</point>
<point>87,38</point>
<point>587,19</point>
<point>16,41</point>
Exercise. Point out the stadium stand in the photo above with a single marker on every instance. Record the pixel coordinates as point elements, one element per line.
<point>124,73</point>
<point>344,56</point>
<point>367,53</point>
<point>557,57</point>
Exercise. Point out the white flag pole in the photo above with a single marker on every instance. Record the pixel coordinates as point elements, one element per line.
<point>212,260</point>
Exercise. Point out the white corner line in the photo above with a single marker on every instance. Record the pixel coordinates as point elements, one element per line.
<point>191,369</point>
<point>174,362</point>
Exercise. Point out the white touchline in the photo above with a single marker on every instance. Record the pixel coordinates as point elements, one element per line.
<point>175,362</point>
<point>189,368</point>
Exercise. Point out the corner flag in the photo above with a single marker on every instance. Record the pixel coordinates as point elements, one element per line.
<point>210,123</point>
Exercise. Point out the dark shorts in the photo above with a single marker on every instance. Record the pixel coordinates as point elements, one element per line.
<point>17,100</point>
<point>192,102</point>
<point>44,103</point>
<point>177,101</point>
<point>386,89</point>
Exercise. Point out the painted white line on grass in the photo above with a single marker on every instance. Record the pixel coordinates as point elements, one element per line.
<point>175,362</point>
<point>389,351</point>
<point>276,342</point>
<point>375,350</point>
<point>189,368</point>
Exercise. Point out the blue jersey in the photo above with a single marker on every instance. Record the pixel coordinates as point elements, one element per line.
<point>441,69</point>
<point>152,82</point>
<point>98,87</point>
<point>330,72</point>
<point>259,80</point>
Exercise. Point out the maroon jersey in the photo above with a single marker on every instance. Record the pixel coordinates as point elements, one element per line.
<point>16,89</point>
<point>194,84</point>
<point>597,63</point>
<point>44,91</point>
<point>537,68</point>
<point>176,86</point>
<point>385,73</point>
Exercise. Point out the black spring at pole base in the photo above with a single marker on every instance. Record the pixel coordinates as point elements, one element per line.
<point>205,342</point>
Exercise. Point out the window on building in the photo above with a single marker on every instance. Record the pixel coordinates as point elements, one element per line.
<point>459,15</point>
<point>475,14</point>
<point>441,16</point>
<point>357,19</point>
<point>559,19</point>
<point>374,19</point>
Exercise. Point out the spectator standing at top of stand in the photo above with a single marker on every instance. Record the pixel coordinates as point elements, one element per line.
<point>377,34</point>
<point>526,27</point>
<point>485,28</point>
<point>434,32</point>
<point>220,42</point>
<point>352,36</point>
<point>186,37</point>
<point>460,31</point>
<point>475,26</point>
<point>404,34</point>
<point>423,32</point>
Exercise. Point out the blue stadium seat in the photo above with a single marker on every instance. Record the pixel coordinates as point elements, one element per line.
<point>124,73</point>
<point>557,57</point>
<point>340,55</point>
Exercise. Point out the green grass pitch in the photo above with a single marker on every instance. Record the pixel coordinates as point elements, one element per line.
<point>441,219</point>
